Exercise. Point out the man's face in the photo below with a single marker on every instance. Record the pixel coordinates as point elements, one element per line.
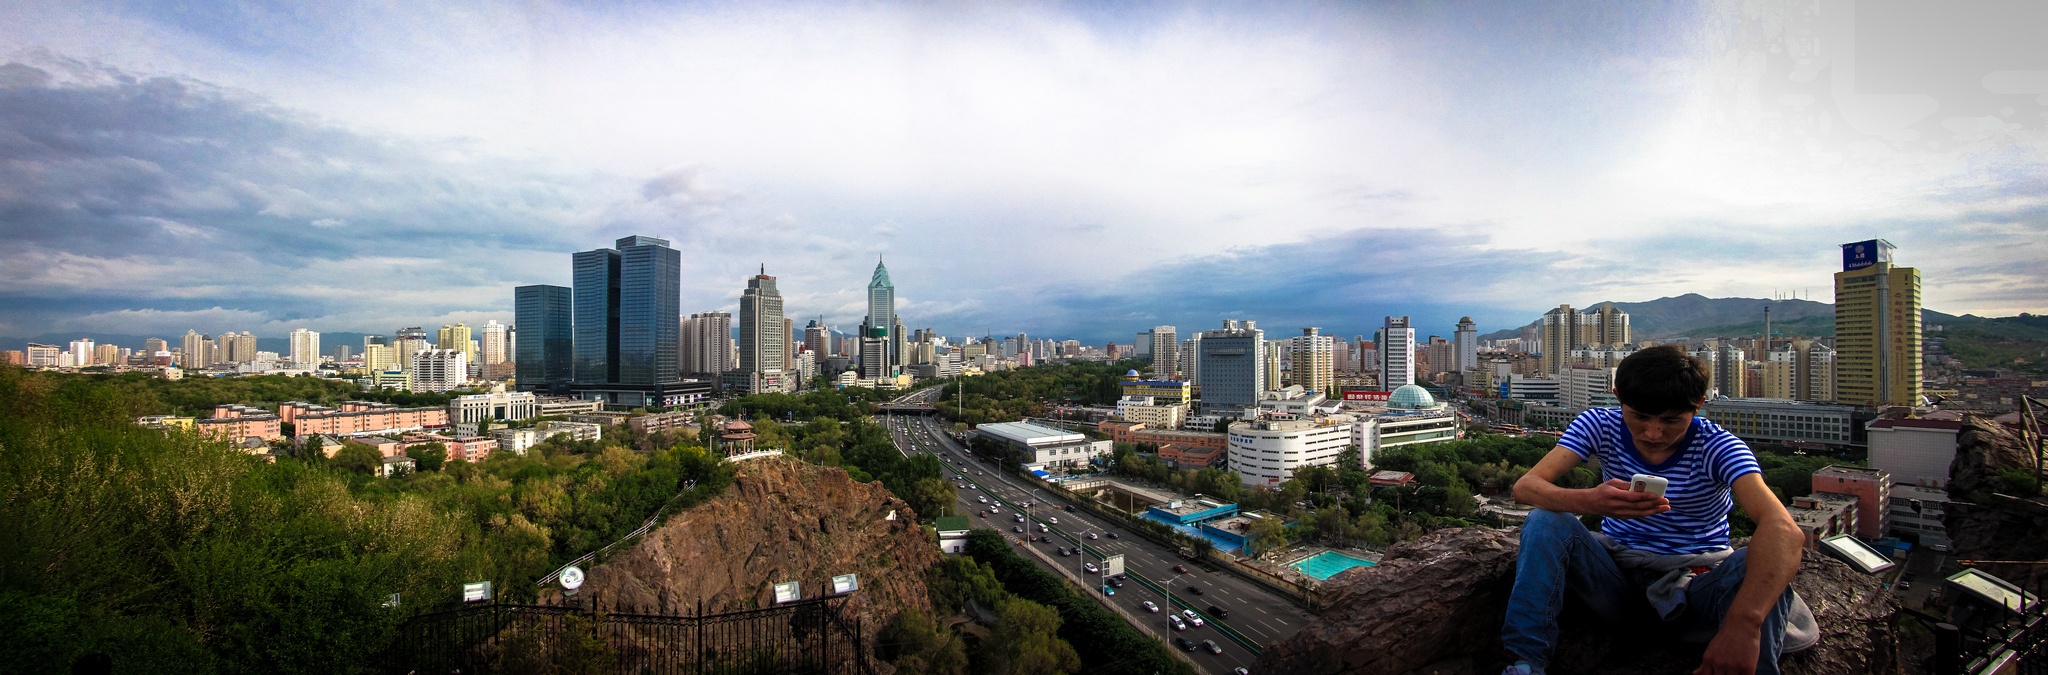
<point>1656,433</point>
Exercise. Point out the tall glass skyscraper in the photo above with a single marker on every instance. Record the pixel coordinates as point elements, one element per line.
<point>543,350</point>
<point>597,316</point>
<point>877,341</point>
<point>628,312</point>
<point>650,311</point>
<point>1232,374</point>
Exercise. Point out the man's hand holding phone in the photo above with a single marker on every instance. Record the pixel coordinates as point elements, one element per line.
<point>1616,498</point>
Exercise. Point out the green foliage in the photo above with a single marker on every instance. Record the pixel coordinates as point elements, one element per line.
<point>146,394</point>
<point>1103,641</point>
<point>913,645</point>
<point>1792,475</point>
<point>845,405</point>
<point>1011,395</point>
<point>2018,482</point>
<point>357,457</point>
<point>1026,641</point>
<point>428,457</point>
<point>175,553</point>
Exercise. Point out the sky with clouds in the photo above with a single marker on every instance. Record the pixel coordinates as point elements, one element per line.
<point>1082,170</point>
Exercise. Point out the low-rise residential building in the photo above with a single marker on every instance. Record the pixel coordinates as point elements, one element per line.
<point>1045,446</point>
<point>577,431</point>
<point>517,440</point>
<point>1142,410</point>
<point>1193,439</point>
<point>665,421</point>
<point>556,406</point>
<point>351,418</point>
<point>395,467</point>
<point>1189,457</point>
<point>471,448</point>
<point>1915,514</point>
<point>165,422</point>
<point>236,422</point>
<point>1162,392</point>
<point>953,534</point>
<point>609,419</point>
<point>1769,420</point>
<point>1823,514</point>
<point>1872,489</point>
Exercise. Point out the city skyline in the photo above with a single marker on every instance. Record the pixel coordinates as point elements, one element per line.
<point>1048,170</point>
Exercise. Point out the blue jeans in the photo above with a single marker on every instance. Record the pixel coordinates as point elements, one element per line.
<point>1560,556</point>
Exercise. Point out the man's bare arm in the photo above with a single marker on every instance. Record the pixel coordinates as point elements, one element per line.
<point>1774,552</point>
<point>1611,499</point>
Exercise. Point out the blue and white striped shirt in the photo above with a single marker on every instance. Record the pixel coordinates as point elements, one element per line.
<point>1702,473</point>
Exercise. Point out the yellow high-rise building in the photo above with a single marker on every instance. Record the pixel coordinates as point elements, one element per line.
<point>1877,328</point>
<point>456,337</point>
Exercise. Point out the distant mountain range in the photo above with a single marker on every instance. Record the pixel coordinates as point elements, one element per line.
<point>281,345</point>
<point>1697,316</point>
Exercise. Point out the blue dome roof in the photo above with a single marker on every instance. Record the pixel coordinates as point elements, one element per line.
<point>1411,397</point>
<point>1133,373</point>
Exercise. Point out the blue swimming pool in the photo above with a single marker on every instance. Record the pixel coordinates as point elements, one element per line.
<point>1327,564</point>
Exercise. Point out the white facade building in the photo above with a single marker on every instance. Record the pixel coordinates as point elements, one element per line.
<point>517,440</point>
<point>1914,451</point>
<point>1268,452</point>
<point>497,405</point>
<point>1580,387</point>
<point>305,349</point>
<point>439,369</point>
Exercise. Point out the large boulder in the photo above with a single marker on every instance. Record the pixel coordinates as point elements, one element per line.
<point>1435,605</point>
<point>1985,521</point>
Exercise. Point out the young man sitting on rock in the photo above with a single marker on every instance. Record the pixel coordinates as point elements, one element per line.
<point>1658,556</point>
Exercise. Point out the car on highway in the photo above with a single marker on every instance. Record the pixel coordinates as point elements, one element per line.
<point>1090,567</point>
<point>1219,612</point>
<point>1091,536</point>
<point>1193,618</point>
<point>1197,590</point>
<point>1184,644</point>
<point>1070,508</point>
<point>1183,569</point>
<point>1042,528</point>
<point>995,509</point>
<point>1053,519</point>
<point>1240,670</point>
<point>1112,535</point>
<point>1063,552</point>
<point>1106,590</point>
<point>1149,607</point>
<point>1212,646</point>
<point>981,499</point>
<point>1178,624</point>
<point>1116,581</point>
<point>1017,530</point>
<point>1025,505</point>
<point>1020,518</point>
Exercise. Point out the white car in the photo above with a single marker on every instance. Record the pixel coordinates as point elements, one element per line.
<point>995,509</point>
<point>1020,518</point>
<point>1053,519</point>
<point>1149,607</point>
<point>983,500</point>
<point>1041,528</point>
<point>1091,536</point>
<point>1193,618</point>
<point>1090,567</point>
<point>1177,623</point>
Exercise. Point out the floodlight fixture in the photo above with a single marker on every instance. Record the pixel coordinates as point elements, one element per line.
<point>845,583</point>
<point>1999,592</point>
<point>787,592</point>
<point>1865,558</point>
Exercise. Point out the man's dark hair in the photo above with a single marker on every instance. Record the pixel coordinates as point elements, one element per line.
<point>1661,379</point>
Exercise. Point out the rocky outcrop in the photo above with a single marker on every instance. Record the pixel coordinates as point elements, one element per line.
<point>782,520</point>
<point>1435,605</point>
<point>1983,521</point>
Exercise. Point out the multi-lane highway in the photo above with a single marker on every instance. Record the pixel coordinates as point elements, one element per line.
<point>1251,616</point>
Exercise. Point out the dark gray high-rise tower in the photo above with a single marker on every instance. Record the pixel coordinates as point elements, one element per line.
<point>543,352</point>
<point>650,310</point>
<point>597,316</point>
<point>628,312</point>
<point>878,334</point>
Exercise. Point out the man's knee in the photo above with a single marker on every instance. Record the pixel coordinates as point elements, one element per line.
<point>1545,525</point>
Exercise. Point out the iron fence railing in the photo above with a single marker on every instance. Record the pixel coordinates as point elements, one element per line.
<point>1991,640</point>
<point>808,636</point>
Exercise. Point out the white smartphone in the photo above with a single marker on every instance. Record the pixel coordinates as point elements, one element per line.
<point>1644,482</point>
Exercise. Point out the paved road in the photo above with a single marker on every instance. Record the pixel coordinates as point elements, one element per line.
<point>1256,616</point>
